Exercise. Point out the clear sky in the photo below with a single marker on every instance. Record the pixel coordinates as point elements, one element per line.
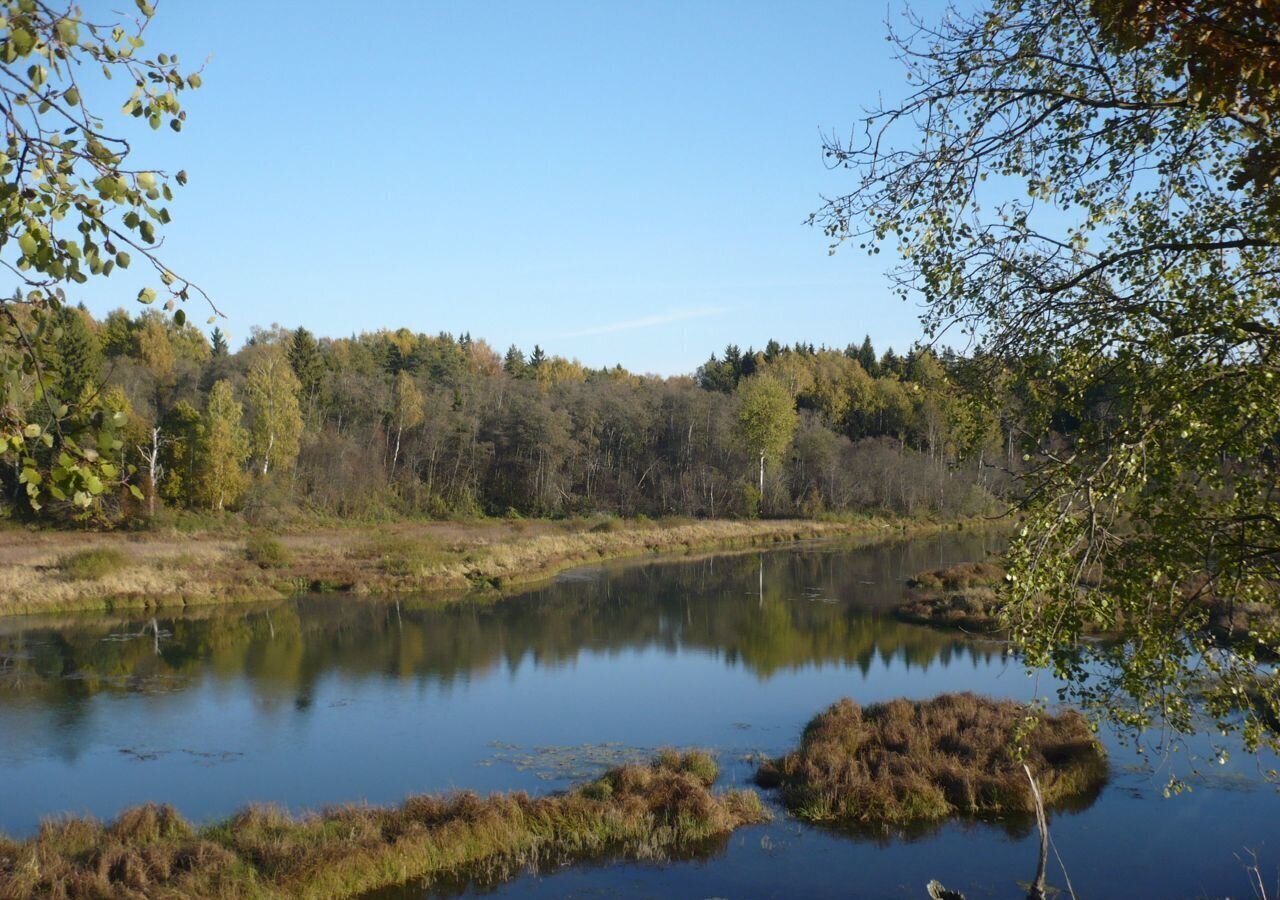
<point>618,182</point>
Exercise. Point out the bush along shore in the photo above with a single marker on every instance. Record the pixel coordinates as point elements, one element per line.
<point>635,811</point>
<point>62,571</point>
<point>902,765</point>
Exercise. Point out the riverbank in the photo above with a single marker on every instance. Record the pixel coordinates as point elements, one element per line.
<point>634,812</point>
<point>65,571</point>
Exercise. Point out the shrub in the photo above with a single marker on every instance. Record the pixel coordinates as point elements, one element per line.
<point>92,564</point>
<point>266,551</point>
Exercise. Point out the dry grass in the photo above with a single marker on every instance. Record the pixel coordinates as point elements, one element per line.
<point>959,577</point>
<point>176,569</point>
<point>639,812</point>
<point>975,609</point>
<point>960,596</point>
<point>906,763</point>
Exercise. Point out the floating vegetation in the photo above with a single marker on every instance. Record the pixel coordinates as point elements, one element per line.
<point>568,762</point>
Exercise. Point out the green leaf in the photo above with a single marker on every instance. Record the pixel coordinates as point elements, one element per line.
<point>68,31</point>
<point>137,494</point>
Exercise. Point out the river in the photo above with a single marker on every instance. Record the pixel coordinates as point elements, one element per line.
<point>329,699</point>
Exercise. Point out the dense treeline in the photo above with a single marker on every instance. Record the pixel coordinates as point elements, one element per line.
<point>396,423</point>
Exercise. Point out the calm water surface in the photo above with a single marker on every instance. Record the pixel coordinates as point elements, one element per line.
<point>326,700</point>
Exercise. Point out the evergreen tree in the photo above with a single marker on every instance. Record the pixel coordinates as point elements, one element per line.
<point>537,358</point>
<point>117,334</point>
<point>218,342</point>
<point>890,364</point>
<point>76,361</point>
<point>308,365</point>
<point>513,364</point>
<point>866,357</point>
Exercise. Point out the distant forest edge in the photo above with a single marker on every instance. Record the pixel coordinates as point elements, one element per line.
<point>392,423</point>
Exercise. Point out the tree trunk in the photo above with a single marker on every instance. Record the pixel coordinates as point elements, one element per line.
<point>761,482</point>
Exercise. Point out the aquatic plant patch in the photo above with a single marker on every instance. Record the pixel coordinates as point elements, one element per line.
<point>633,811</point>
<point>903,763</point>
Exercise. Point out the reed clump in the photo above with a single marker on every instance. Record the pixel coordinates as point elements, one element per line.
<point>904,763</point>
<point>635,811</point>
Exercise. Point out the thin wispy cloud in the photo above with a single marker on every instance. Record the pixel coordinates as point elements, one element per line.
<point>666,318</point>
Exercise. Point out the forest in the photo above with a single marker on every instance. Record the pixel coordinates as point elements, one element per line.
<point>393,423</point>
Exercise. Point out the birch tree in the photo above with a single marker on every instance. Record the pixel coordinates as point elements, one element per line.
<point>272,391</point>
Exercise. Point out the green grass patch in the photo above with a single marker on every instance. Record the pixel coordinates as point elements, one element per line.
<point>86,565</point>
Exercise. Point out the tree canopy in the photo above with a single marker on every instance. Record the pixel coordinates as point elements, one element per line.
<point>1080,188</point>
<point>74,205</point>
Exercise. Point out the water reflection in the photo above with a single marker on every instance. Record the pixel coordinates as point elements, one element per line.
<point>767,612</point>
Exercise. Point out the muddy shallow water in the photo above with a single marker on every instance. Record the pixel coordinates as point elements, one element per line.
<point>323,700</point>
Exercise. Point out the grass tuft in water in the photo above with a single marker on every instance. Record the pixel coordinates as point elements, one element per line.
<point>906,763</point>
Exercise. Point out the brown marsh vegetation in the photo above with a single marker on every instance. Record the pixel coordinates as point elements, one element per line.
<point>634,811</point>
<point>959,596</point>
<point>904,763</point>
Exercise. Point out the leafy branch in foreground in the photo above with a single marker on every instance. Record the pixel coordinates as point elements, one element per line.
<point>73,205</point>
<point>1087,195</point>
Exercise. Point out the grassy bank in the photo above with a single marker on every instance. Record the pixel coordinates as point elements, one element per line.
<point>638,812</point>
<point>904,763</point>
<point>62,571</point>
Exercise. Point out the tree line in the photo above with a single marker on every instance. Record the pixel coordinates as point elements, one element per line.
<point>393,423</point>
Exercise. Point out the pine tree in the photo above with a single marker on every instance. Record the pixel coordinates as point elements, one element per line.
<point>75,362</point>
<point>218,342</point>
<point>117,334</point>
<point>308,365</point>
<point>514,364</point>
<point>867,358</point>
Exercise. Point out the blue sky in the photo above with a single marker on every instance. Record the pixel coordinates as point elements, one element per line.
<point>618,182</point>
